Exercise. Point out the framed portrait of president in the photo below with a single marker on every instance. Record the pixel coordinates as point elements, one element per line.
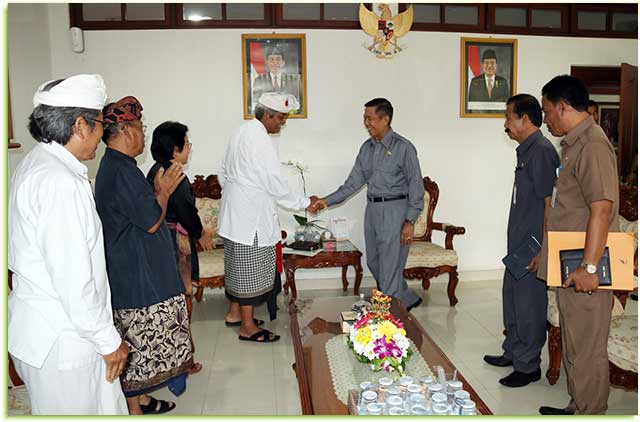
<point>274,63</point>
<point>488,75</point>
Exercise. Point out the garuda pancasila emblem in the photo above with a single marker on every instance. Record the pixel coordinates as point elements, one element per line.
<point>385,29</point>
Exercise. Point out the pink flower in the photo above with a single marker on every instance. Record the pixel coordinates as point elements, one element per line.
<point>382,349</point>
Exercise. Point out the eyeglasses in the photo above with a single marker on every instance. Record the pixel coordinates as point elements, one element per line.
<point>96,120</point>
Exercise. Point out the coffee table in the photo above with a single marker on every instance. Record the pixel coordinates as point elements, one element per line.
<point>344,254</point>
<point>315,321</point>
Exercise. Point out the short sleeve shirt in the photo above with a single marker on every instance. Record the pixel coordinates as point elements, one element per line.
<point>141,265</point>
<point>587,173</point>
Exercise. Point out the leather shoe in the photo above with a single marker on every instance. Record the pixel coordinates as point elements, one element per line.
<point>520,379</point>
<point>546,410</point>
<point>417,303</point>
<point>497,360</point>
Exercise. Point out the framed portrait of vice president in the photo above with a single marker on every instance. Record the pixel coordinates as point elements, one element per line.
<point>488,75</point>
<point>274,63</point>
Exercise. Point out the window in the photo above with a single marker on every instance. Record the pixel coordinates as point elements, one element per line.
<point>547,19</point>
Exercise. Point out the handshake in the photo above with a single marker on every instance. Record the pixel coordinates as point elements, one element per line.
<point>316,204</point>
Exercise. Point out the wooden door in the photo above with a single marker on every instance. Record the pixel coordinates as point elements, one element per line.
<point>628,123</point>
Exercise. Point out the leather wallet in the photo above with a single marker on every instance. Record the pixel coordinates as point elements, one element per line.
<point>570,260</point>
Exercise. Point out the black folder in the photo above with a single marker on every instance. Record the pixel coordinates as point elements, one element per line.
<point>517,261</point>
<point>570,260</point>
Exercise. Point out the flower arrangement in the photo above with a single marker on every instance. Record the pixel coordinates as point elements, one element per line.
<point>379,339</point>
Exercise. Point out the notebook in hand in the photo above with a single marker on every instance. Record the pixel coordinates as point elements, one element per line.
<point>518,260</point>
<point>570,260</point>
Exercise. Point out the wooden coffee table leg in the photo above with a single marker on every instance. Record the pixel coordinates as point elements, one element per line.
<point>345,282</point>
<point>291,283</point>
<point>356,287</point>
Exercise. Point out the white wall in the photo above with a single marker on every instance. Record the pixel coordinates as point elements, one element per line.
<point>29,55</point>
<point>194,76</point>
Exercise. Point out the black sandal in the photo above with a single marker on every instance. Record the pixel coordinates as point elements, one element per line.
<point>258,322</point>
<point>267,337</point>
<point>153,409</point>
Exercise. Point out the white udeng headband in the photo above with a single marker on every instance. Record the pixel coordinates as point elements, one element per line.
<point>87,91</point>
<point>284,103</point>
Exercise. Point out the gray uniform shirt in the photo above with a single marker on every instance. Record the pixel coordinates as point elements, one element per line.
<point>389,167</point>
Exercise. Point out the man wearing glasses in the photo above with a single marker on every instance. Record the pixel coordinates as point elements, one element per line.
<point>147,290</point>
<point>61,335</point>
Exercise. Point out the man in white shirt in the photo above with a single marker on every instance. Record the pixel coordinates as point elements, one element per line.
<point>61,335</point>
<point>253,185</point>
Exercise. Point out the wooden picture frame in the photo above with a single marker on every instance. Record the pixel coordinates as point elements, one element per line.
<point>608,119</point>
<point>498,56</point>
<point>259,65</point>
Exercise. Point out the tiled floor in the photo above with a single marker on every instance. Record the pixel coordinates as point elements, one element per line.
<point>243,378</point>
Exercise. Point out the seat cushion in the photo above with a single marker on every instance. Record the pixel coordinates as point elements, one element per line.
<point>211,263</point>
<point>208,211</point>
<point>427,254</point>
<point>553,314</point>
<point>623,342</point>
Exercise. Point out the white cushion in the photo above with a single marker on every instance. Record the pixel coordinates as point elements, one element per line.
<point>427,254</point>
<point>211,263</point>
<point>623,342</point>
<point>629,227</point>
<point>420,228</point>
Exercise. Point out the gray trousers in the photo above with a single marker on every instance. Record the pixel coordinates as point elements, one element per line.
<point>524,311</point>
<point>386,257</point>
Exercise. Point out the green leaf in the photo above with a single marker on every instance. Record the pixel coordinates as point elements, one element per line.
<point>301,220</point>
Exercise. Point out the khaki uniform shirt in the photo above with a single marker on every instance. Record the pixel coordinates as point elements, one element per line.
<point>587,173</point>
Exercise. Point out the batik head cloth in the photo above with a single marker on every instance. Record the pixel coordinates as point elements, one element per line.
<point>124,110</point>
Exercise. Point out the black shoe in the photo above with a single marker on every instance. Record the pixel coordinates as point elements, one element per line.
<point>520,379</point>
<point>497,360</point>
<point>546,410</point>
<point>417,303</point>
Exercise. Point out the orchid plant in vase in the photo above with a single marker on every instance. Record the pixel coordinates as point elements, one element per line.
<point>307,228</point>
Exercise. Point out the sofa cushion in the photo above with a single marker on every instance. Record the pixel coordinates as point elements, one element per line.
<point>420,228</point>
<point>427,254</point>
<point>623,342</point>
<point>208,211</point>
<point>211,263</point>
<point>629,227</point>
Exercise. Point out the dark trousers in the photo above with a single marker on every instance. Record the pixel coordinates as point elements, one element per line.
<point>524,310</point>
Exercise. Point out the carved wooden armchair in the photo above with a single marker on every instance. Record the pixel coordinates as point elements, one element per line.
<point>208,193</point>
<point>622,345</point>
<point>426,259</point>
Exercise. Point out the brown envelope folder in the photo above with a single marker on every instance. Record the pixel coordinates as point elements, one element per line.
<point>621,248</point>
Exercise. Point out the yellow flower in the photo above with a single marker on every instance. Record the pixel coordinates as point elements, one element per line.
<point>363,336</point>
<point>403,332</point>
<point>387,329</point>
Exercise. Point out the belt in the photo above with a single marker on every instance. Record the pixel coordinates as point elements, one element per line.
<point>386,199</point>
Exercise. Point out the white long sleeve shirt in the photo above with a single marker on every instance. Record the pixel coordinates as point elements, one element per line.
<point>56,252</point>
<point>253,185</point>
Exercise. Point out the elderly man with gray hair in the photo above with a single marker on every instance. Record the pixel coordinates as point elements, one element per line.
<point>253,185</point>
<point>61,335</point>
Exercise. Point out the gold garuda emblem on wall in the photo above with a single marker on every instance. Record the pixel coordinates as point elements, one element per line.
<point>385,29</point>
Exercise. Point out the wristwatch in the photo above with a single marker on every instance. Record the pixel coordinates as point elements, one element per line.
<point>409,221</point>
<point>589,268</point>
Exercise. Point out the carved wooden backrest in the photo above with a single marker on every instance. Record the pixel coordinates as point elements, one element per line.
<point>424,224</point>
<point>209,187</point>
<point>628,202</point>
